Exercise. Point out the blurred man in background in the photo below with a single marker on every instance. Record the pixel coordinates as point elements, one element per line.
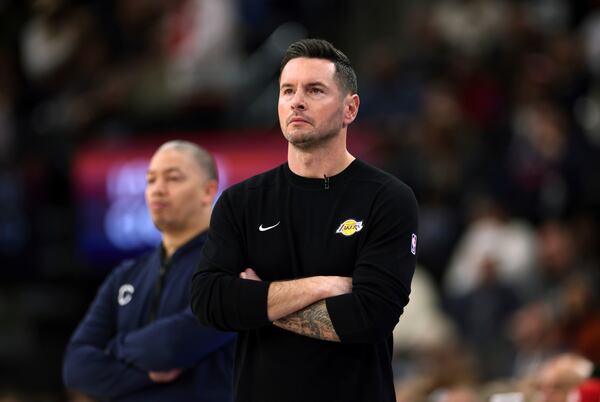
<point>139,340</point>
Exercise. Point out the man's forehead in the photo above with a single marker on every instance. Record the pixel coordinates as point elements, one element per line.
<point>170,159</point>
<point>307,68</point>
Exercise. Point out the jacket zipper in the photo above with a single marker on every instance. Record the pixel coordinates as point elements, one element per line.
<point>160,282</point>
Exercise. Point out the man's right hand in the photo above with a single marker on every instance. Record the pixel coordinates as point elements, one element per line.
<point>164,376</point>
<point>331,285</point>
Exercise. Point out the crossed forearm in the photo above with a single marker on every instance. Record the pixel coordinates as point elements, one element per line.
<point>299,305</point>
<point>312,321</point>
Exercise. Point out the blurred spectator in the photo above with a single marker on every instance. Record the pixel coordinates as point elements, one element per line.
<point>545,163</point>
<point>201,54</point>
<point>568,75</point>
<point>495,247</point>
<point>535,337</point>
<point>579,318</point>
<point>471,27</point>
<point>423,329</point>
<point>565,311</point>
<point>51,37</point>
<point>167,57</point>
<point>481,93</point>
<point>65,63</point>
<point>458,394</point>
<point>558,377</point>
<point>423,324</point>
<point>436,159</point>
<point>490,273</point>
<point>390,91</point>
<point>436,370</point>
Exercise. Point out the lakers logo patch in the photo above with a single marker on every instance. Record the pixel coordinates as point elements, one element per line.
<point>349,227</point>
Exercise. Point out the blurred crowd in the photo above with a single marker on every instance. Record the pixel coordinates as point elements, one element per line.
<point>488,109</point>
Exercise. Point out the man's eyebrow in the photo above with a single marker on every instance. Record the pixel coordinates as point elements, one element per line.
<point>316,84</point>
<point>308,84</point>
<point>167,170</point>
<point>173,169</point>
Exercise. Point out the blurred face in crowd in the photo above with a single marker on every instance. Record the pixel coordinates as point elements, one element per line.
<point>177,190</point>
<point>312,107</point>
<point>555,382</point>
<point>556,248</point>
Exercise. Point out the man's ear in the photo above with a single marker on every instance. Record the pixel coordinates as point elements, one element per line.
<point>210,191</point>
<point>351,104</point>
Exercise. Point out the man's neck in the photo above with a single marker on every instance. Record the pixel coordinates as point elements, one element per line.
<point>318,162</point>
<point>174,240</point>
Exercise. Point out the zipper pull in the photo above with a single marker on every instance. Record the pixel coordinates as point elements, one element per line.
<point>326,182</point>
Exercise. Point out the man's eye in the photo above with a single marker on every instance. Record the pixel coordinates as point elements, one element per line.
<point>316,90</point>
<point>150,180</point>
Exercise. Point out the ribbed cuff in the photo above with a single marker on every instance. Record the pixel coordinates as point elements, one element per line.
<point>341,318</point>
<point>252,303</point>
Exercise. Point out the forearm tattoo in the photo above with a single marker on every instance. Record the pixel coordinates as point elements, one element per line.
<point>312,321</point>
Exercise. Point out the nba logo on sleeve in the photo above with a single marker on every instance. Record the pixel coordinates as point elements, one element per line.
<point>413,244</point>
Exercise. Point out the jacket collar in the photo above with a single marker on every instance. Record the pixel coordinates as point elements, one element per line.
<point>193,245</point>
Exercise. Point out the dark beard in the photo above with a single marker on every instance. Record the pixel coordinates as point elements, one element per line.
<point>306,144</point>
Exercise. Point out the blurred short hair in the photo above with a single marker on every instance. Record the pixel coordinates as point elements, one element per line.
<point>201,156</point>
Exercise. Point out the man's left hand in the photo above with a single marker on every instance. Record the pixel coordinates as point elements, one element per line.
<point>249,273</point>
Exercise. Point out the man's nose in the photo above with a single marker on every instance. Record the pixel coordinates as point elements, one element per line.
<point>158,187</point>
<point>298,101</point>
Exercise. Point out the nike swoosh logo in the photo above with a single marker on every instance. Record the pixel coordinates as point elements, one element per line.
<point>262,229</point>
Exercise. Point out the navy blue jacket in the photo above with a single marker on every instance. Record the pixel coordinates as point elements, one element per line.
<point>128,332</point>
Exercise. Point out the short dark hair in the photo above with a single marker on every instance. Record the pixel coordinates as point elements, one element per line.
<point>322,49</point>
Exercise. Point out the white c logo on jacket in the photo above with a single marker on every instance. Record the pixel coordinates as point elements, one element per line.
<point>125,294</point>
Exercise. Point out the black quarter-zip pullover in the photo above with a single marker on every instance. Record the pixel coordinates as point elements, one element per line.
<point>360,223</point>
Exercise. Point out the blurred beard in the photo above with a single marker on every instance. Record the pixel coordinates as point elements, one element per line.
<point>163,224</point>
